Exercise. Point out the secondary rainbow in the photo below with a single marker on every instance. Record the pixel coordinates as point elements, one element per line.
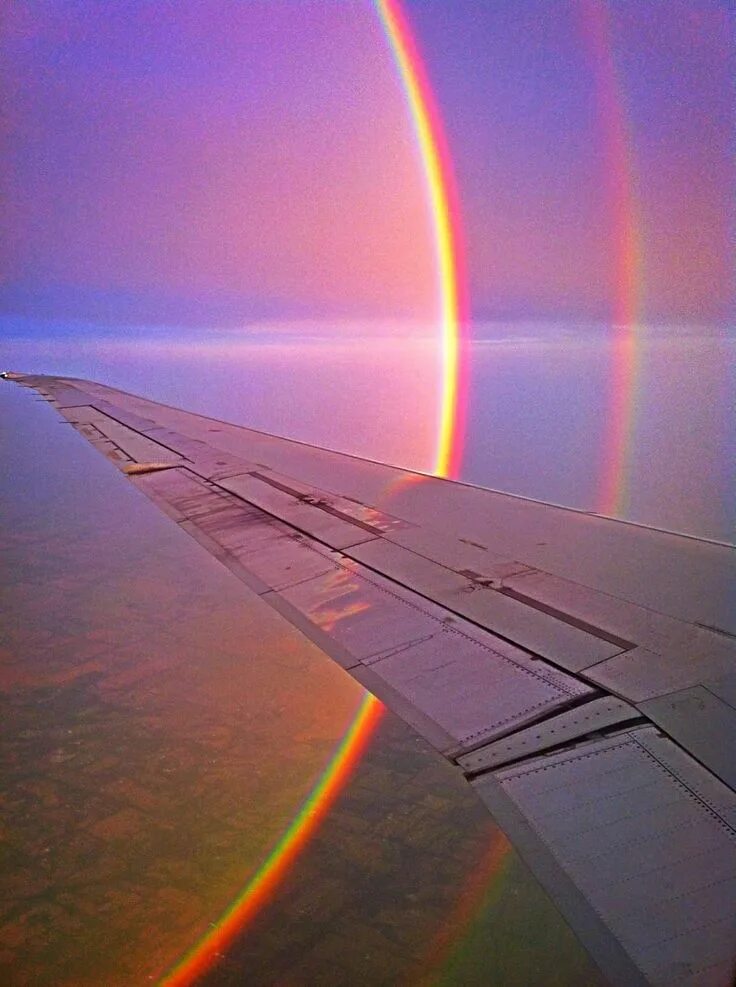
<point>484,885</point>
<point>445,217</point>
<point>613,483</point>
<point>262,885</point>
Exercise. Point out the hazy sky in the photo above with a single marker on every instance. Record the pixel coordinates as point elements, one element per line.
<point>208,163</point>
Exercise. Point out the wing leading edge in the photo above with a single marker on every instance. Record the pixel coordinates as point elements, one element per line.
<point>580,671</point>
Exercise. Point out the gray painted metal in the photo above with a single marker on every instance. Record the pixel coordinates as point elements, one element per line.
<point>138,447</point>
<point>655,862</point>
<point>281,561</point>
<point>598,714</point>
<point>123,416</point>
<point>493,637</point>
<point>640,674</point>
<point>188,497</point>
<point>561,642</point>
<point>365,618</point>
<point>459,554</point>
<point>652,630</point>
<point>577,546</point>
<point>303,516</point>
<point>112,452</point>
<point>82,415</point>
<point>702,723</point>
<point>374,520</point>
<point>610,955</point>
<point>710,790</point>
<point>469,683</point>
<point>69,396</point>
<point>465,684</point>
<point>191,449</point>
<point>725,688</point>
<point>471,690</point>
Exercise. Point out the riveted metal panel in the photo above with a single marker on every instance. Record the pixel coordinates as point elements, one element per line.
<point>724,687</point>
<point>640,674</point>
<point>720,798</point>
<point>702,723</point>
<point>645,832</point>
<point>471,690</point>
<point>541,633</point>
<point>598,714</point>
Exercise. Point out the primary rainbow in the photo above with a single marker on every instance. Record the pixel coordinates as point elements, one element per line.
<point>262,885</point>
<point>442,201</point>
<point>613,484</point>
<point>443,206</point>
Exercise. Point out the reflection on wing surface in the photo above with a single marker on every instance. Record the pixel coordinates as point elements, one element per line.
<point>580,671</point>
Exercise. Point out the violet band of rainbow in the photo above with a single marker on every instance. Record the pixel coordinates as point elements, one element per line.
<point>442,200</point>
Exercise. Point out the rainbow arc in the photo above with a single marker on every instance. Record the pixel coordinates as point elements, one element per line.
<point>444,214</point>
<point>613,477</point>
<point>444,210</point>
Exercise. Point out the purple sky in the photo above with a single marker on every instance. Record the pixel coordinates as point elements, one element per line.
<point>212,163</point>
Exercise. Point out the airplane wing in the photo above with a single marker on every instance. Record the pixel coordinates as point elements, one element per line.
<point>580,671</point>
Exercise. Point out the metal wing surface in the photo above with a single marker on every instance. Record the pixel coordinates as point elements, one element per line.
<point>580,671</point>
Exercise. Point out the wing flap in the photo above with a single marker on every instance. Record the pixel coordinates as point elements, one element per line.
<point>649,854</point>
<point>469,683</point>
